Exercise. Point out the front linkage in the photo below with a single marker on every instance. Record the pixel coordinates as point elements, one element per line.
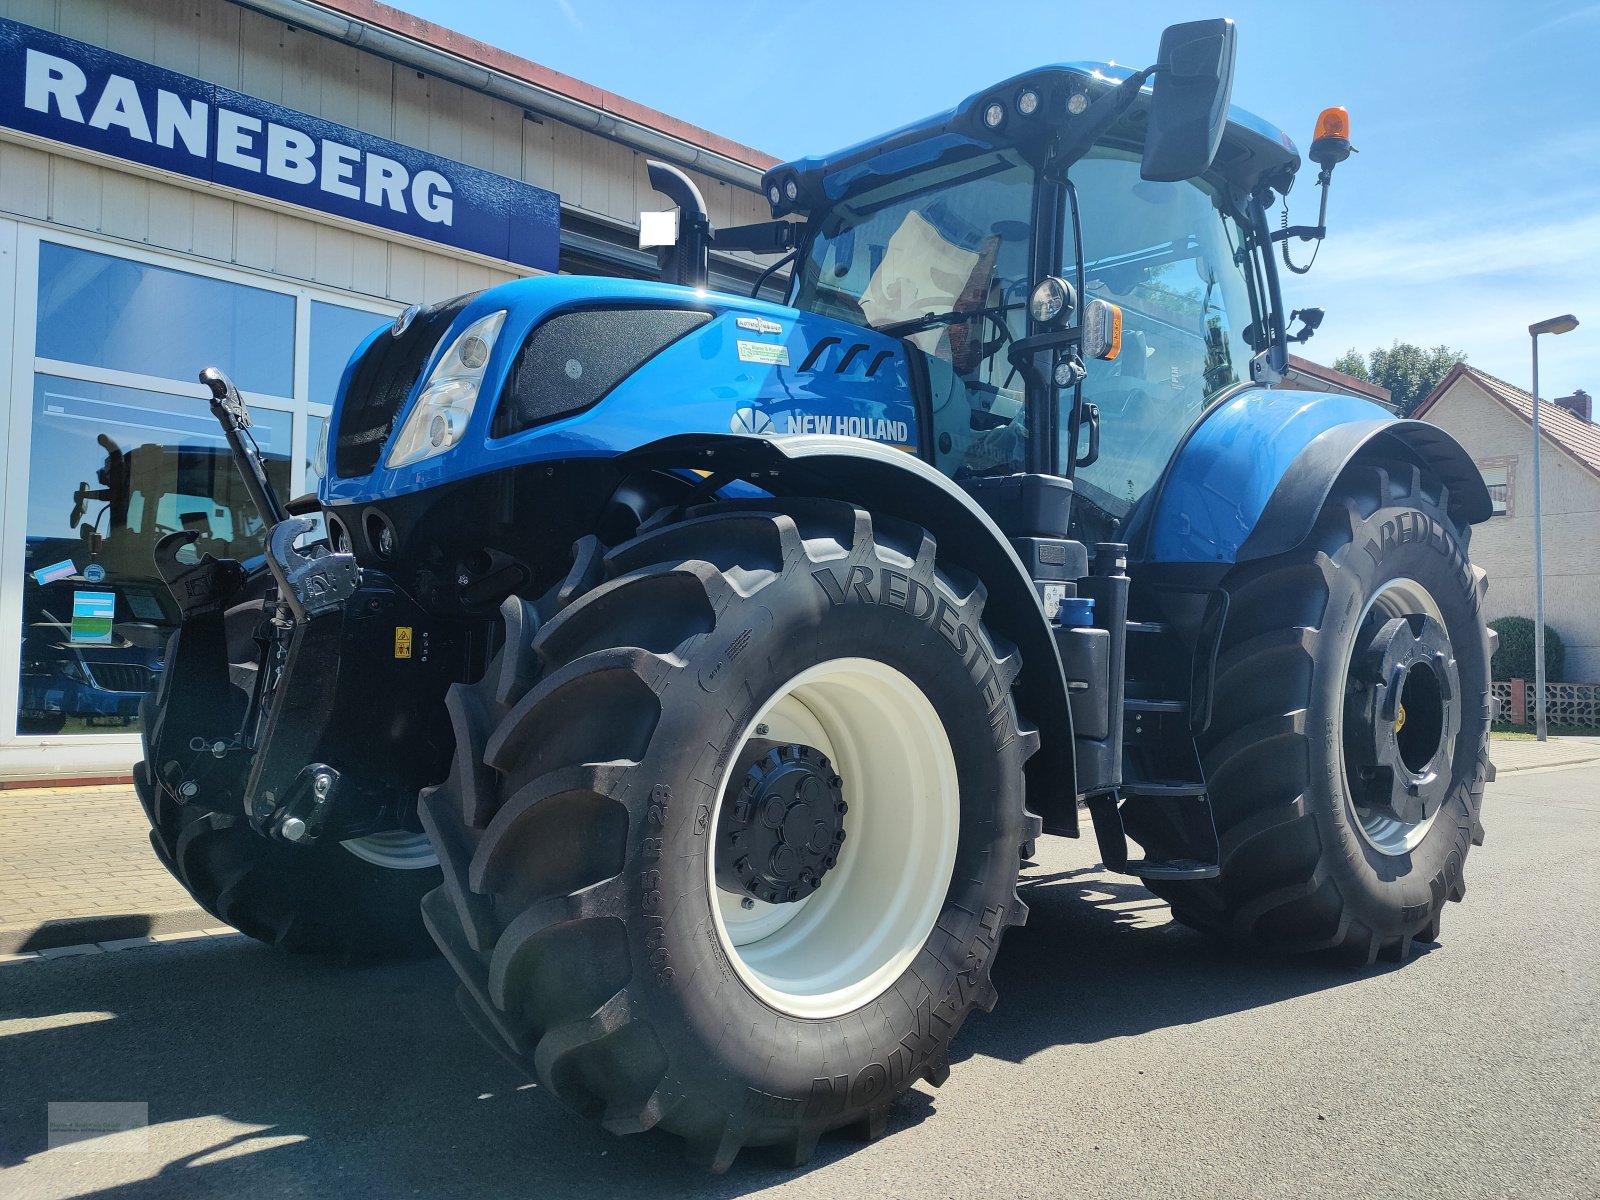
<point>345,713</point>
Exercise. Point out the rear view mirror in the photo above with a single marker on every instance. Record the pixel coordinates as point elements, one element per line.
<point>1189,108</point>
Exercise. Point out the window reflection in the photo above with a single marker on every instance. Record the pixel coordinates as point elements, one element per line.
<point>112,471</point>
<point>336,332</point>
<point>130,316</point>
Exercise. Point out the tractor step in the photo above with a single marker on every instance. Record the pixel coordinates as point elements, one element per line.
<point>1173,789</point>
<point>1140,705</point>
<point>1172,868</point>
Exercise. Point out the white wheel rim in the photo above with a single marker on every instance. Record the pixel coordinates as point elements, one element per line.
<point>846,943</point>
<point>395,849</point>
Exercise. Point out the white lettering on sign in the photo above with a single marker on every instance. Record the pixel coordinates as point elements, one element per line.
<point>57,86</point>
<point>235,137</point>
<point>54,79</point>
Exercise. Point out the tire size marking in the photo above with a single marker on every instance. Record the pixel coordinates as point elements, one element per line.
<point>650,899</point>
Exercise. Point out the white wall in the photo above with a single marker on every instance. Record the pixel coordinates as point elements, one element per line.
<point>1503,546</point>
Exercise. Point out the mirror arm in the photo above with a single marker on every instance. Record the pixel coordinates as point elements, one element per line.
<point>1306,233</point>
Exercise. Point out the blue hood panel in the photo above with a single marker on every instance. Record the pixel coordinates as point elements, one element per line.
<point>754,368</point>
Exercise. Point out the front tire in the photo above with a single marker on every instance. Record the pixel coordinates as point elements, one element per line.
<point>1349,747</point>
<point>605,937</point>
<point>355,901</point>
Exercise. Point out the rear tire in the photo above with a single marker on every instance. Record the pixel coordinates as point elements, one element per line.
<point>579,829</point>
<point>1319,849</point>
<point>352,902</point>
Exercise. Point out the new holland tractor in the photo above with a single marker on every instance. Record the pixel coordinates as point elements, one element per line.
<point>695,671</point>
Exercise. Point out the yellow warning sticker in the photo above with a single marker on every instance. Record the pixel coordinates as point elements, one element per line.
<point>402,641</point>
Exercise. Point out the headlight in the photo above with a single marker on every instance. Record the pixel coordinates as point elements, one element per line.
<point>438,419</point>
<point>319,462</point>
<point>1052,301</point>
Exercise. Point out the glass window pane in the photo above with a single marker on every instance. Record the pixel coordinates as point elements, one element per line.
<point>129,316</point>
<point>111,471</point>
<point>336,332</point>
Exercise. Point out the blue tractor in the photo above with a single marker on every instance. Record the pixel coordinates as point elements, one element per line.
<point>695,670</point>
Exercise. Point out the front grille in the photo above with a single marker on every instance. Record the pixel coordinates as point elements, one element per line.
<point>122,677</point>
<point>382,379</point>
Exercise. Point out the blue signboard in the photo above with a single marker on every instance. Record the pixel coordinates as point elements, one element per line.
<point>57,88</point>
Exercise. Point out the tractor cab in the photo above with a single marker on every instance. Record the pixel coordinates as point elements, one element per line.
<point>942,234</point>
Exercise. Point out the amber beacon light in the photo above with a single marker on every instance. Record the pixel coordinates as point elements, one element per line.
<point>1331,142</point>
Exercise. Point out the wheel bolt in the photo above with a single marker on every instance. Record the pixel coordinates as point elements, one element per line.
<point>747,903</point>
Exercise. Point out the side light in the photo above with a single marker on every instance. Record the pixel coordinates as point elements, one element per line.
<point>438,419</point>
<point>1102,330</point>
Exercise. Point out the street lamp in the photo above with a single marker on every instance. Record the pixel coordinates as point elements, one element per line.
<point>1562,324</point>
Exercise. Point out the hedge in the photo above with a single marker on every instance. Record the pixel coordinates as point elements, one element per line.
<point>1514,659</point>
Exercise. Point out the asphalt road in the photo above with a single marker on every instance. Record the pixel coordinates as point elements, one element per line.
<point>1127,1057</point>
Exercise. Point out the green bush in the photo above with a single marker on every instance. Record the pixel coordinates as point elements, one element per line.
<point>1514,659</point>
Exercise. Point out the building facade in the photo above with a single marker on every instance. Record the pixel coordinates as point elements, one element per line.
<point>1494,422</point>
<point>256,186</point>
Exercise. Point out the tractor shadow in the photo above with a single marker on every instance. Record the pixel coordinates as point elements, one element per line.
<point>1101,958</point>
<point>268,1074</point>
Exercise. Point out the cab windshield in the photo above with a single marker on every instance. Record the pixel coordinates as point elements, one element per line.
<point>1177,263</point>
<point>942,259</point>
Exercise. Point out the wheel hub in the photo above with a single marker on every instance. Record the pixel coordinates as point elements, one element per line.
<point>1401,720</point>
<point>782,824</point>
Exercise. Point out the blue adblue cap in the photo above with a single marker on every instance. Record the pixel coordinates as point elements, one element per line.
<point>1076,611</point>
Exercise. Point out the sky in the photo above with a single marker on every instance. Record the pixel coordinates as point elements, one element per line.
<point>1471,210</point>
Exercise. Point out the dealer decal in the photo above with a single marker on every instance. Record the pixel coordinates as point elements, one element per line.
<point>766,353</point>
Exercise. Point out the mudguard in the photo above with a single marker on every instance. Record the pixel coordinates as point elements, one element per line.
<point>1251,477</point>
<point>885,480</point>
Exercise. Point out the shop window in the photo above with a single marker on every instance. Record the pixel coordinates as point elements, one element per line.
<point>336,332</point>
<point>1500,476</point>
<point>122,315</point>
<point>111,471</point>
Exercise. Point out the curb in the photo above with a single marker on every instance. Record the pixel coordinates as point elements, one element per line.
<point>112,927</point>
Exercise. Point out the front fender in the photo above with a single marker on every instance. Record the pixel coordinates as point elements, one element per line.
<point>885,480</point>
<point>1250,479</point>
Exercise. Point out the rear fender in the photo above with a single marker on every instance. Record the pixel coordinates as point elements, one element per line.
<point>885,480</point>
<point>1250,479</point>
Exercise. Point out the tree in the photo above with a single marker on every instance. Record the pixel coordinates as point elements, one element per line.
<point>1409,372</point>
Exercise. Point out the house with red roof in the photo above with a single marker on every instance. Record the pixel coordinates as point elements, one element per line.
<point>1494,421</point>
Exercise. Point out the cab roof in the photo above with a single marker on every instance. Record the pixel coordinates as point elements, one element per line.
<point>1253,151</point>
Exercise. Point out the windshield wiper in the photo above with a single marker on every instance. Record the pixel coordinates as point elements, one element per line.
<point>933,320</point>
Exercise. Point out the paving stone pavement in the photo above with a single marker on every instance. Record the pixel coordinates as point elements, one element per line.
<point>76,866</point>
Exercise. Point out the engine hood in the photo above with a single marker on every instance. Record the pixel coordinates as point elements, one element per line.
<point>750,367</point>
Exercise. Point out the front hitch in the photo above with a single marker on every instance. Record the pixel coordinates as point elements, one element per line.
<point>346,720</point>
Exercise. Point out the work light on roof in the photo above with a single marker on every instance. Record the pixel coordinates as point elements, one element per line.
<point>994,115</point>
<point>1027,102</point>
